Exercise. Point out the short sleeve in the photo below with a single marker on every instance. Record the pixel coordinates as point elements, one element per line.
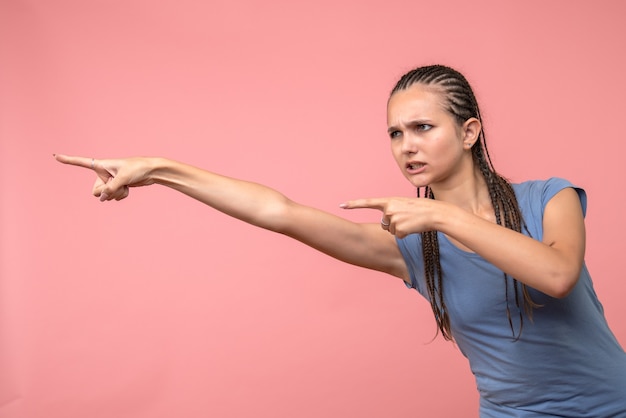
<point>411,249</point>
<point>533,197</point>
<point>555,185</point>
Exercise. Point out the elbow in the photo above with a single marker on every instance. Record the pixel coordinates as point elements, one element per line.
<point>562,291</point>
<point>563,283</point>
<point>277,217</point>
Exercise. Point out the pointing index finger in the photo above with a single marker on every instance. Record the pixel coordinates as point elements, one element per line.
<point>85,162</point>
<point>370,203</point>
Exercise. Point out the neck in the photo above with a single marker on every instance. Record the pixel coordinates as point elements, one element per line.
<point>469,193</point>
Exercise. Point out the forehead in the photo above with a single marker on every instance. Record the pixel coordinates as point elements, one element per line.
<point>416,102</point>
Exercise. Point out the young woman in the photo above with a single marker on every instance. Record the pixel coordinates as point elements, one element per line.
<point>501,264</point>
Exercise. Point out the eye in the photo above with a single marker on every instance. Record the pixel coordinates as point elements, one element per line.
<point>424,127</point>
<point>394,134</point>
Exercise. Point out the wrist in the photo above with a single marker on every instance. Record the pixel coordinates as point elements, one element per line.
<point>446,216</point>
<point>160,171</point>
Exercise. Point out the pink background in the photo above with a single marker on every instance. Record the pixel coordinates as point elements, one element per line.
<point>160,307</point>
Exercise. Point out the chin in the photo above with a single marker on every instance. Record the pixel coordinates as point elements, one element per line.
<point>415,182</point>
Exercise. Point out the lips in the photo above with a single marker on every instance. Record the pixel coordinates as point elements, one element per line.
<point>415,167</point>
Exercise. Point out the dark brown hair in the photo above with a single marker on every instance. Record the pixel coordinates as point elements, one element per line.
<point>459,100</point>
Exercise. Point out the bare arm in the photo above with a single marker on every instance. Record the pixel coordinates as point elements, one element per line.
<point>365,245</point>
<point>551,266</point>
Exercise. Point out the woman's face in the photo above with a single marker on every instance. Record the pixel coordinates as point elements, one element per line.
<point>426,140</point>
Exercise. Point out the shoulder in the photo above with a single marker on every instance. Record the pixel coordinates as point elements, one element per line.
<point>537,193</point>
<point>411,249</point>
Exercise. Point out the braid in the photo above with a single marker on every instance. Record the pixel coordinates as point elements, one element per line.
<point>432,271</point>
<point>462,104</point>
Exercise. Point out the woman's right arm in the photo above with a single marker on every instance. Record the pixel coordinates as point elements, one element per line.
<point>365,245</point>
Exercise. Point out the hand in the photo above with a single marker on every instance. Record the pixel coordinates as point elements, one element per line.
<point>401,215</point>
<point>115,176</point>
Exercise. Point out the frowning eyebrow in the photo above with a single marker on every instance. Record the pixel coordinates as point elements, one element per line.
<point>410,124</point>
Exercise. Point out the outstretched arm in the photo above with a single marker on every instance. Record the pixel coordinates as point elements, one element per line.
<point>365,245</point>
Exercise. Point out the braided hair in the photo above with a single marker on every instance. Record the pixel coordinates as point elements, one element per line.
<point>460,102</point>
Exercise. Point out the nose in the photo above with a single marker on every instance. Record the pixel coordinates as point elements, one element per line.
<point>409,144</point>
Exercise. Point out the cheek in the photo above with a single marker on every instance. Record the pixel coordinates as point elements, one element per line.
<point>447,146</point>
<point>396,152</point>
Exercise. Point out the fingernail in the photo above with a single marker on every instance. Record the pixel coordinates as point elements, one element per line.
<point>343,205</point>
<point>103,197</point>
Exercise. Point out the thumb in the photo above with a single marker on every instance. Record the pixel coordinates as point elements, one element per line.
<point>115,188</point>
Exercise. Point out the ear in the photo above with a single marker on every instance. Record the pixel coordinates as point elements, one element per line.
<point>471,130</point>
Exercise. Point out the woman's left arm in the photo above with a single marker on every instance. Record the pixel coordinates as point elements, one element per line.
<point>551,266</point>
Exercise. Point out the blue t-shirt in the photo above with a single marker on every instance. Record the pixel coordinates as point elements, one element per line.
<point>566,363</point>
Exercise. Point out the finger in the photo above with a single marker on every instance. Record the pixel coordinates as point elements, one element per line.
<point>115,188</point>
<point>118,194</point>
<point>98,187</point>
<point>372,203</point>
<point>124,194</point>
<point>385,222</point>
<point>85,162</point>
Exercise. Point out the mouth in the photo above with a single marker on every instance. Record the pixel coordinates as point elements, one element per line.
<point>414,166</point>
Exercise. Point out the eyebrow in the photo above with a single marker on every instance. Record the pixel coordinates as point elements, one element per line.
<point>411,123</point>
